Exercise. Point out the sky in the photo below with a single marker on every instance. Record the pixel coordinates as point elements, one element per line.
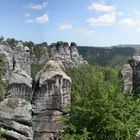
<point>86,22</point>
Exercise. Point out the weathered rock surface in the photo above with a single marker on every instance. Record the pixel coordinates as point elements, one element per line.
<point>20,85</point>
<point>52,94</point>
<point>22,58</point>
<point>40,55</point>
<point>131,75</point>
<point>68,55</point>
<point>127,74</point>
<point>7,55</point>
<point>16,119</point>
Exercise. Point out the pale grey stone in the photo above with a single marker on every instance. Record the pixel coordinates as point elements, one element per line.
<point>22,58</point>
<point>16,119</point>
<point>20,85</point>
<point>52,94</point>
<point>127,75</point>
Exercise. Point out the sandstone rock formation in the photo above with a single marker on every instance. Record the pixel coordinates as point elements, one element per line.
<point>52,94</point>
<point>127,74</point>
<point>40,54</point>
<point>7,57</point>
<point>20,85</point>
<point>22,58</point>
<point>15,112</point>
<point>16,119</point>
<point>68,55</point>
<point>46,105</point>
<point>131,75</point>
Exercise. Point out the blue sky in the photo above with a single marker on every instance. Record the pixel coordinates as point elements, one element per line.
<point>86,22</point>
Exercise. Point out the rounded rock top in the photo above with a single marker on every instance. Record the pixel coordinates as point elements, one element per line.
<point>19,44</point>
<point>27,48</point>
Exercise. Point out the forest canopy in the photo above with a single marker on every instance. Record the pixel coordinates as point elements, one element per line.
<point>99,109</point>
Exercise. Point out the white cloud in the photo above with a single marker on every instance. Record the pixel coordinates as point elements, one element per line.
<point>27,15</point>
<point>65,26</point>
<point>30,21</point>
<point>86,32</point>
<point>108,16</point>
<point>106,19</point>
<point>101,7</point>
<point>42,19</point>
<point>130,22</point>
<point>138,29</point>
<point>38,6</point>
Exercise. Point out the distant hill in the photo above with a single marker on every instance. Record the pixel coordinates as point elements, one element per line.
<point>108,56</point>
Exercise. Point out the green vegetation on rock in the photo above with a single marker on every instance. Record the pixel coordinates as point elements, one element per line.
<point>35,68</point>
<point>99,109</point>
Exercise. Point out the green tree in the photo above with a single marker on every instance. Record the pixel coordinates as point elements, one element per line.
<point>11,41</point>
<point>99,110</point>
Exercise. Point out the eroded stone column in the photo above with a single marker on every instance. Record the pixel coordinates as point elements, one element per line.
<point>52,94</point>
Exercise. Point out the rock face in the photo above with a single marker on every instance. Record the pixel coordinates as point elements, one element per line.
<point>20,85</point>
<point>127,74</point>
<point>22,58</point>
<point>7,57</point>
<point>131,75</point>
<point>18,71</point>
<point>46,105</point>
<point>16,119</point>
<point>68,55</point>
<point>16,109</point>
<point>52,94</point>
<point>40,55</point>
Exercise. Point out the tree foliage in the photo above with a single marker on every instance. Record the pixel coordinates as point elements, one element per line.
<point>107,56</point>
<point>99,109</point>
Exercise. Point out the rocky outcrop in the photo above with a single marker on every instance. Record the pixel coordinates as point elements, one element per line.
<point>20,85</point>
<point>68,56</point>
<point>18,68</point>
<point>16,119</point>
<point>131,75</point>
<point>16,109</point>
<point>40,54</point>
<point>127,74</point>
<point>22,58</point>
<point>7,58</point>
<point>52,94</point>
